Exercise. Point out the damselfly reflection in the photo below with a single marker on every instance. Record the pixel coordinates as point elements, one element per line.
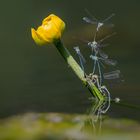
<point>101,107</point>
<point>106,104</point>
<point>98,23</point>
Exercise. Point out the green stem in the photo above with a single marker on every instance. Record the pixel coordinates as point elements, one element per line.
<point>77,70</point>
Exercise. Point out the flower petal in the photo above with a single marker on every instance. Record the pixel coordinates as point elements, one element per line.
<point>37,38</point>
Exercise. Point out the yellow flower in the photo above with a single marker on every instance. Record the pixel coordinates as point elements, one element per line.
<point>51,30</point>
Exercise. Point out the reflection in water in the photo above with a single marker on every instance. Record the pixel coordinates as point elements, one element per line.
<point>93,122</point>
<point>95,117</point>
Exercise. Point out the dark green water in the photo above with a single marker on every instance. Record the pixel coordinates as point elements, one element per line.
<point>37,79</point>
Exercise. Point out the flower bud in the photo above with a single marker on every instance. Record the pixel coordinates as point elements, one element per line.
<point>51,30</point>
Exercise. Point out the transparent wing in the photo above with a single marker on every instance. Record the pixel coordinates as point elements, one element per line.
<point>108,18</point>
<point>112,75</point>
<point>103,54</point>
<point>88,20</point>
<point>106,37</point>
<point>90,14</point>
<point>102,45</point>
<point>109,61</point>
<point>109,25</point>
<point>79,39</point>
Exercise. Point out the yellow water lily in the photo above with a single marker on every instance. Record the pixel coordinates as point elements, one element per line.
<point>51,30</point>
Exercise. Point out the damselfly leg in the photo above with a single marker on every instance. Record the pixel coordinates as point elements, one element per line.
<point>96,62</point>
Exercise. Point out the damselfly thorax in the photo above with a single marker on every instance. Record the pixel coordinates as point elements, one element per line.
<point>97,46</point>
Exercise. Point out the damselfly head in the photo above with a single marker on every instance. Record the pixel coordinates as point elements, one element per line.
<point>77,49</point>
<point>93,44</point>
<point>99,25</point>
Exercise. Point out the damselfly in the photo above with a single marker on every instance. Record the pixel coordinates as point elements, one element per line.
<point>96,46</point>
<point>99,60</point>
<point>97,22</point>
<point>81,57</point>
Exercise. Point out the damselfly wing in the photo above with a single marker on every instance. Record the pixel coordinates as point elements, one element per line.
<point>97,22</point>
<point>109,61</point>
<point>112,75</point>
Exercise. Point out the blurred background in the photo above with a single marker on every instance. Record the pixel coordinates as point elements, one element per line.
<point>36,79</point>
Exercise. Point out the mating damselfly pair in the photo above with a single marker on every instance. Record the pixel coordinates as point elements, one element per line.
<point>99,58</point>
